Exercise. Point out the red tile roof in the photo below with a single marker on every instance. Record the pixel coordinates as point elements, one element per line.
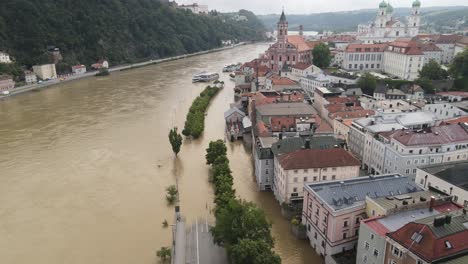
<point>408,47</point>
<point>278,123</point>
<point>432,136</point>
<point>262,129</point>
<point>456,120</point>
<point>282,81</point>
<point>454,93</point>
<point>448,39</point>
<point>352,114</point>
<point>431,247</point>
<point>340,108</point>
<point>366,47</point>
<point>299,43</point>
<point>317,158</point>
<point>376,226</point>
<point>430,47</point>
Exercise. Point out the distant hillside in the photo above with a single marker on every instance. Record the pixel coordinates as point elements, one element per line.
<point>120,30</point>
<point>348,21</point>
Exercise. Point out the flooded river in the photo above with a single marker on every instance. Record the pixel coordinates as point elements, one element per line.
<point>84,166</point>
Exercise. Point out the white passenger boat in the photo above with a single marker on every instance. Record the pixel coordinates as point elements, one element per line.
<point>205,77</point>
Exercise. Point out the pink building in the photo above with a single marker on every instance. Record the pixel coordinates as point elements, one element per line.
<point>6,83</point>
<point>288,50</point>
<point>332,211</point>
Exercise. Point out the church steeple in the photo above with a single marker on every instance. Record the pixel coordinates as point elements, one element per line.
<point>282,27</point>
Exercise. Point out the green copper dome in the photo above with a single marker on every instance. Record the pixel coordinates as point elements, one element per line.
<point>383,5</point>
<point>389,8</point>
<point>416,3</point>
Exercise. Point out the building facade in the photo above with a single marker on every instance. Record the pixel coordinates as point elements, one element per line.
<point>46,71</point>
<point>6,83</point>
<point>288,50</point>
<point>293,170</point>
<point>4,57</point>
<point>364,57</point>
<point>30,77</point>
<point>386,28</point>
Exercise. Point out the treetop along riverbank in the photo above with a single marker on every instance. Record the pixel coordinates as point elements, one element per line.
<point>195,122</point>
<point>241,227</point>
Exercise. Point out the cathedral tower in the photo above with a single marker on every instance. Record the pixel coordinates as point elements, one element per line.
<point>414,20</point>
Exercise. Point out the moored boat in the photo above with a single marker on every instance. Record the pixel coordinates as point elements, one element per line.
<point>205,77</point>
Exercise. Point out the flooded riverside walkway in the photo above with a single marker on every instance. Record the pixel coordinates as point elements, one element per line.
<point>84,166</point>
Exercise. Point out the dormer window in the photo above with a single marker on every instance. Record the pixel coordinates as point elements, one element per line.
<point>448,245</point>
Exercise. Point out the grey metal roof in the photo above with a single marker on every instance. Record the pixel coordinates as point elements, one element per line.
<point>386,203</point>
<point>457,225</point>
<point>454,173</point>
<point>292,144</point>
<point>285,109</point>
<point>233,110</point>
<point>349,193</point>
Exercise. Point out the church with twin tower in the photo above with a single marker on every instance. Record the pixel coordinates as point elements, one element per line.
<point>386,27</point>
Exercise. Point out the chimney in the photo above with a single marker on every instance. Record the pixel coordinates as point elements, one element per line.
<point>301,30</point>
<point>280,136</point>
<point>307,143</point>
<point>431,204</point>
<point>464,211</point>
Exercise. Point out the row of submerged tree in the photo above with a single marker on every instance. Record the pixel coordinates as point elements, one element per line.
<point>241,227</point>
<point>195,122</point>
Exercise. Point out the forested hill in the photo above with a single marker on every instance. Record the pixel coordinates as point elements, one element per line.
<point>447,19</point>
<point>119,30</point>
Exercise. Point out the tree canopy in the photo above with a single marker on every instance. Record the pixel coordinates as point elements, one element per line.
<point>123,31</point>
<point>321,55</point>
<point>216,149</point>
<point>249,251</point>
<point>367,83</point>
<point>459,70</point>
<point>176,140</point>
<point>433,71</point>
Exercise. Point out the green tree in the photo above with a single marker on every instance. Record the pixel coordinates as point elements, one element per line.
<point>433,71</point>
<point>171,194</point>
<point>249,251</point>
<point>426,84</point>
<point>215,149</point>
<point>321,55</point>
<point>241,220</point>
<point>176,140</point>
<point>164,254</point>
<point>367,83</point>
<point>459,67</point>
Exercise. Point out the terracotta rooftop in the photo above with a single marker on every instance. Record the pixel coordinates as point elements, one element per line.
<point>454,93</point>
<point>366,47</point>
<point>299,43</point>
<point>456,120</point>
<point>436,242</point>
<point>430,47</point>
<point>317,158</point>
<point>340,108</point>
<point>408,47</point>
<point>448,39</point>
<point>282,81</point>
<point>432,136</point>
<point>352,114</point>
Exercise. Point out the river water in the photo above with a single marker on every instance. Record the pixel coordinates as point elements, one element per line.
<point>84,166</point>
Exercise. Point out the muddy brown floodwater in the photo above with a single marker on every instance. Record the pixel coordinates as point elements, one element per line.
<point>84,166</point>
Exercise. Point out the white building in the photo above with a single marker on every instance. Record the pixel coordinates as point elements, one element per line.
<point>386,28</point>
<point>460,45</point>
<point>30,77</point>
<point>403,151</point>
<point>449,178</point>
<point>263,157</point>
<point>301,70</point>
<point>46,71</point>
<point>404,59</point>
<point>4,57</point>
<point>79,69</point>
<point>364,57</point>
<point>444,110</point>
<point>195,8</point>
<point>293,170</point>
<point>363,131</point>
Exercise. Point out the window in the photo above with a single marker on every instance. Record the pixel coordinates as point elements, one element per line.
<point>345,235</point>
<point>414,171</point>
<point>305,179</point>
<point>376,253</point>
<point>356,232</point>
<point>407,171</point>
<point>448,245</point>
<point>333,169</point>
<point>345,223</point>
<point>325,169</point>
<point>358,220</point>
<point>267,162</point>
<point>366,245</point>
<point>295,179</point>
<point>420,262</point>
<point>324,178</point>
<point>317,212</point>
<point>315,235</point>
<point>315,178</point>
<point>333,177</point>
<point>306,171</point>
<point>396,251</point>
<point>315,170</point>
<point>266,171</point>
<point>323,244</point>
<point>372,235</point>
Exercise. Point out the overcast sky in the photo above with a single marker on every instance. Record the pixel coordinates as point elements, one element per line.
<point>310,6</point>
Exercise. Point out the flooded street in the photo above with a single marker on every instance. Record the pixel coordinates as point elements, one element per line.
<point>84,166</point>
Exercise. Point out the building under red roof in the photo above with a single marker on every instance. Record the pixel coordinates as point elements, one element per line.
<point>317,158</point>
<point>454,93</point>
<point>432,136</point>
<point>301,66</point>
<point>366,47</point>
